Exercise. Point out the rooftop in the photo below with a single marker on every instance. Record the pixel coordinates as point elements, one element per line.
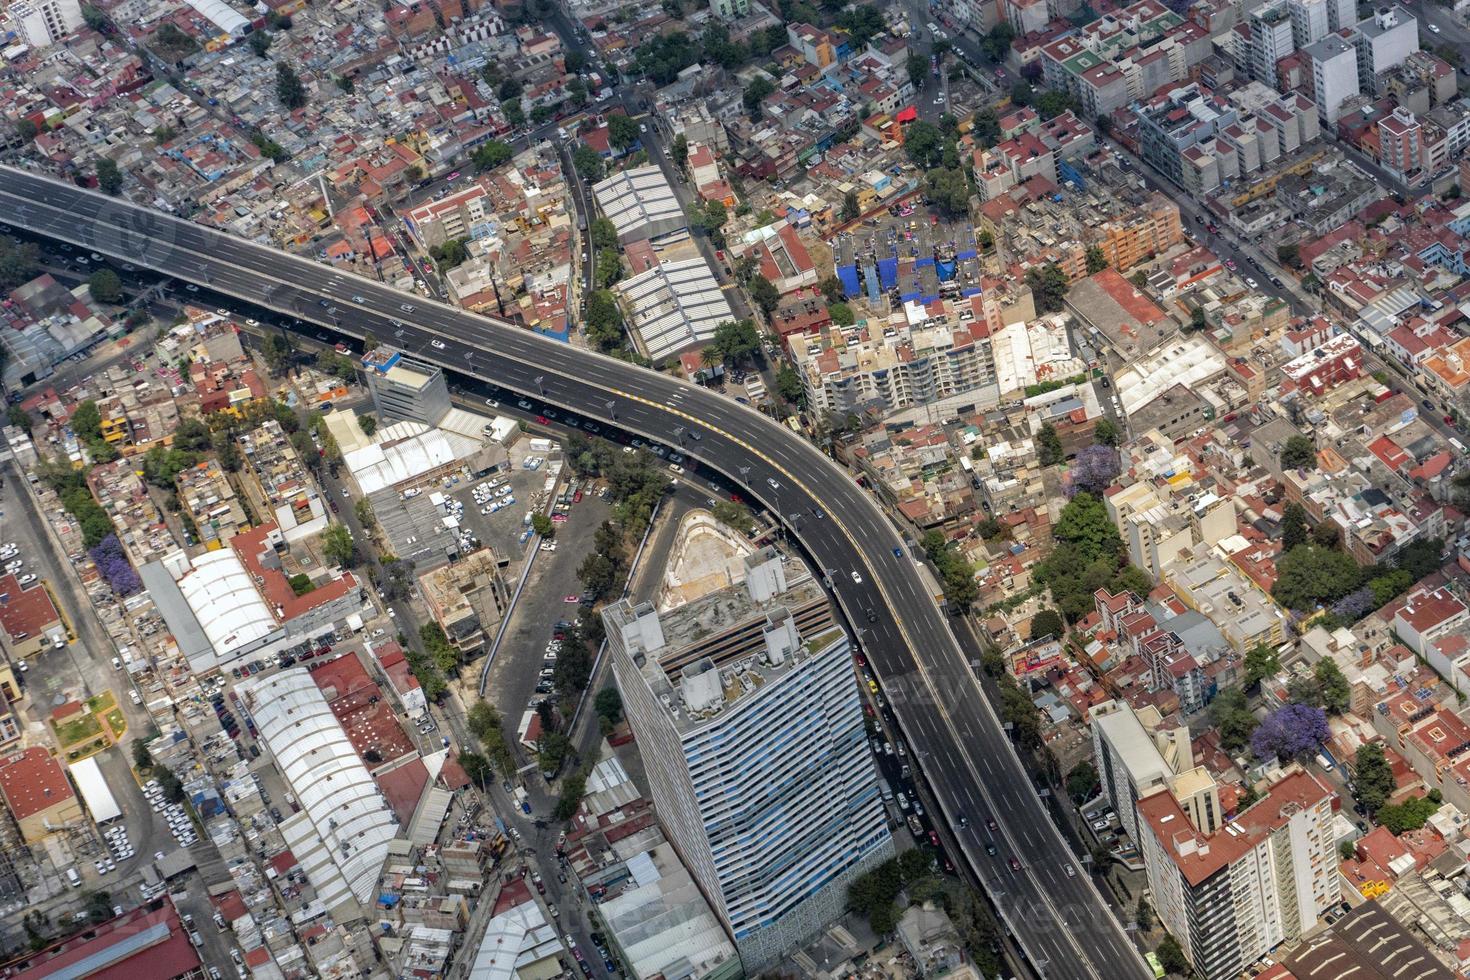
<point>33,782</point>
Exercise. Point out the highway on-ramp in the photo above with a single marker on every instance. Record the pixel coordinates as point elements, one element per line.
<point>1057,917</point>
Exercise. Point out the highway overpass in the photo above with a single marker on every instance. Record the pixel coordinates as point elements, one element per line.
<point>1060,920</point>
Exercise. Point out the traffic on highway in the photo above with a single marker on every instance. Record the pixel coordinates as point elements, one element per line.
<point>952,735</point>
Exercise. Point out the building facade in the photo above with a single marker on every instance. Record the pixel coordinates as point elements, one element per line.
<point>44,22</point>
<point>404,387</point>
<point>748,716</point>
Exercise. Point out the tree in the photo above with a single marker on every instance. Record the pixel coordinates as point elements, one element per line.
<point>509,88</point>
<point>679,151</point>
<point>1049,445</point>
<point>1293,731</point>
<point>1261,662</point>
<point>609,704</point>
<point>1373,777</point>
<point>850,209</point>
<point>604,320</point>
<point>515,115</point>
<point>109,177</point>
<point>368,423</point>
<point>622,132</point>
<point>831,289</point>
<point>604,233</point>
<point>1048,285</point>
<point>492,154</point>
<point>588,163</point>
<point>608,268</point>
<point>259,43</point>
<point>841,314</point>
<point>1420,558</point>
<point>986,129</point>
<point>1097,260</point>
<point>1144,916</point>
<point>1197,319</point>
<point>1094,469</point>
<point>924,144</point>
<point>1287,254</point>
<point>1052,103</point>
<point>21,419</point>
<point>997,44</point>
<point>1047,623</point>
<point>948,190</point>
<point>338,546</point>
<point>755,93</point>
<point>1232,719</point>
<point>788,386</point>
<point>86,420</point>
<point>1081,781</point>
<point>572,790</point>
<point>1411,814</point>
<point>26,129</point>
<point>1332,686</point>
<point>1299,453</point>
<point>542,525</point>
<point>1310,575</point>
<point>1293,526</point>
<point>1106,432</point>
<point>918,67</point>
<point>477,768</point>
<point>1171,957</point>
<point>552,750</point>
<point>764,294</point>
<point>289,88</point>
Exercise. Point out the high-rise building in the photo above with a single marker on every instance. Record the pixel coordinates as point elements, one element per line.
<point>729,9</point>
<point>1130,765</point>
<point>1231,893</point>
<point>404,387</point>
<point>1384,40</point>
<point>1310,20</point>
<point>44,22</point>
<point>1334,74</point>
<point>1272,39</point>
<point>747,713</point>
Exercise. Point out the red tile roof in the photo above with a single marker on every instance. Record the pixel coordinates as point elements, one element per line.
<point>29,611</point>
<point>32,782</point>
<point>165,955</point>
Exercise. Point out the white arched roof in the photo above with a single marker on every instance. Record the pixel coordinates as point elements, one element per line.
<point>341,835</point>
<point>225,601</point>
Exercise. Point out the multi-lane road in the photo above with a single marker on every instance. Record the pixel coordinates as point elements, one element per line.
<point>1049,904</point>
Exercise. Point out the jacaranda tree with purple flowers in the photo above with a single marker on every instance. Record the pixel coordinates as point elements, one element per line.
<point>115,567</point>
<point>1292,732</point>
<point>1094,469</point>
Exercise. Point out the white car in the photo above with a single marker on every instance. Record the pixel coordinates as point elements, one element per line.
<point>1250,282</point>
<point>1433,28</point>
<point>27,579</point>
<point>437,344</point>
<point>857,578</point>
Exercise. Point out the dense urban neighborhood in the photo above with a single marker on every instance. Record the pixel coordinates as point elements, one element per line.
<point>513,489</point>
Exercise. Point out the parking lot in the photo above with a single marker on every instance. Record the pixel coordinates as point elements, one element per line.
<point>516,671</point>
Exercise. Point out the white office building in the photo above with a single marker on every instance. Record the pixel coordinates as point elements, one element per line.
<point>340,835</point>
<point>1129,762</point>
<point>1334,74</point>
<point>748,717</point>
<point>42,23</point>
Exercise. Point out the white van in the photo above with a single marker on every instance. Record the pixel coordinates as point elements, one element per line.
<point>72,878</point>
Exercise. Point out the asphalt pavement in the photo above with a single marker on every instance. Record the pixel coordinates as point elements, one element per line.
<point>1061,920</point>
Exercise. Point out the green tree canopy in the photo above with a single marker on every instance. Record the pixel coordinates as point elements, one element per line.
<point>1299,453</point>
<point>1373,777</point>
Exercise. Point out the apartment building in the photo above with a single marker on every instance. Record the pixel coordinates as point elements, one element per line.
<point>1334,74</point>
<point>1231,895</point>
<point>1159,527</point>
<point>1271,39</point>
<point>850,369</point>
<point>1384,40</point>
<point>44,22</point>
<point>1130,755</point>
<point>463,214</point>
<point>744,703</point>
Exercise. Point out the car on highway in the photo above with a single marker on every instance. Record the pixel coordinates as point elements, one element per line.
<point>991,849</point>
<point>1015,865</point>
<point>990,825</point>
<point>437,344</point>
<point>858,579</point>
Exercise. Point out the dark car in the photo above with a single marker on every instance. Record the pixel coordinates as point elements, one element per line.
<point>991,849</point>
<point>933,838</point>
<point>1015,865</point>
<point>991,824</point>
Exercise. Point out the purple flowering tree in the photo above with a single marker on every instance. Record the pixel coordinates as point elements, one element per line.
<point>1355,605</point>
<point>1094,469</point>
<point>114,566</point>
<point>1292,732</point>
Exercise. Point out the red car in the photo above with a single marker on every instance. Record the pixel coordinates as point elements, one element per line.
<point>1015,865</point>
<point>542,420</point>
<point>933,838</point>
<point>577,497</point>
<point>735,498</point>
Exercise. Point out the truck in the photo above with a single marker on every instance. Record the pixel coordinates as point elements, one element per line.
<point>523,800</point>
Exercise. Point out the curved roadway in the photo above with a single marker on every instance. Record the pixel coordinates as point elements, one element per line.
<point>1058,919</point>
